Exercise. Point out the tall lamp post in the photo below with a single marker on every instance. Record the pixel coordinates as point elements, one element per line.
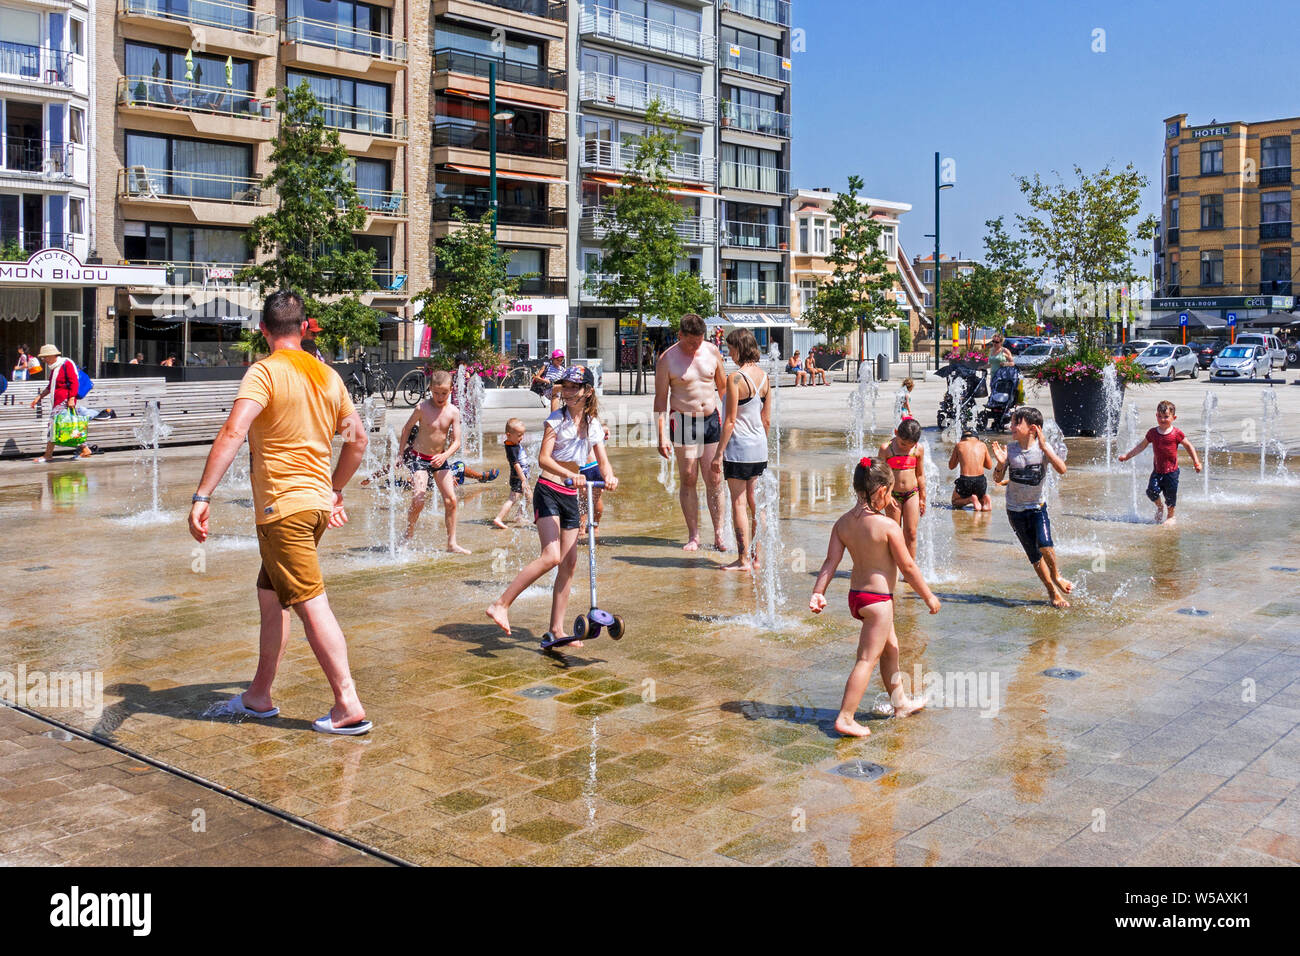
<point>938,269</point>
<point>493,117</point>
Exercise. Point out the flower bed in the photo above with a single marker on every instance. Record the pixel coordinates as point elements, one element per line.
<point>966,358</point>
<point>1072,368</point>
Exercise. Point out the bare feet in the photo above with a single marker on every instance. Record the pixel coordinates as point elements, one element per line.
<point>850,727</point>
<point>500,614</point>
<point>454,548</point>
<point>909,705</point>
<point>1160,512</point>
<point>1063,585</point>
<point>719,544</point>
<point>738,565</point>
<point>1170,521</point>
<point>1058,600</point>
<point>500,524</point>
<point>353,713</point>
<point>692,545</point>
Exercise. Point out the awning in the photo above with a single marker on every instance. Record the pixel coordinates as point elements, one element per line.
<point>756,319</point>
<point>1195,320</point>
<point>1273,320</point>
<point>20,305</point>
<point>696,191</point>
<point>530,177</point>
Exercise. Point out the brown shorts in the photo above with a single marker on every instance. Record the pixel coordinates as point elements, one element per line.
<point>289,564</point>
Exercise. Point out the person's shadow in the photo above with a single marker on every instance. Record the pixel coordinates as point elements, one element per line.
<point>184,702</point>
<point>821,717</point>
<point>486,640</point>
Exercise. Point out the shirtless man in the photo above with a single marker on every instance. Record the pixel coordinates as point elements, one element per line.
<point>435,444</point>
<point>972,456</point>
<point>689,384</point>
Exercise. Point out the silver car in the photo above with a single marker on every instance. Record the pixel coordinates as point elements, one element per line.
<point>1168,361</point>
<point>1037,354</point>
<point>1241,362</point>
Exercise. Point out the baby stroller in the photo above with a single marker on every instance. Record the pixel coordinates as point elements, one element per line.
<point>1003,389</point>
<point>974,388</point>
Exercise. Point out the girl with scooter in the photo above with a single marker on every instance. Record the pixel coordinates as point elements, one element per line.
<point>573,435</point>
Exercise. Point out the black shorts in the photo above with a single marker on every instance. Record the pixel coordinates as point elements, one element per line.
<point>1166,484</point>
<point>1033,530</point>
<point>971,486</point>
<point>416,463</point>
<point>516,485</point>
<point>684,429</point>
<point>551,502</point>
<point>592,473</point>
<point>743,470</point>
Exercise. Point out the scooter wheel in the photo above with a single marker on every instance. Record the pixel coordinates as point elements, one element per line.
<point>580,626</point>
<point>616,629</point>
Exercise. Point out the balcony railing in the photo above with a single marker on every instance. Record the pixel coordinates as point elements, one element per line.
<point>508,214</point>
<point>350,119</point>
<point>1275,287</point>
<point>1171,184</point>
<point>619,27</point>
<point>140,182</point>
<point>694,230</point>
<point>34,157</point>
<point>509,143</point>
<point>1275,176</point>
<point>333,36</point>
<point>772,11</point>
<point>1274,230</point>
<point>745,59</point>
<point>189,97</point>
<point>471,64</point>
<point>618,158</point>
<point>212,13</point>
<point>755,235</point>
<point>195,273</point>
<point>755,292</point>
<point>381,202</point>
<point>637,95</point>
<point>39,64</point>
<point>34,240</point>
<point>550,9</point>
<point>761,179</point>
<point>753,119</point>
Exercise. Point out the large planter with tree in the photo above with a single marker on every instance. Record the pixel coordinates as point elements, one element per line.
<point>1080,405</point>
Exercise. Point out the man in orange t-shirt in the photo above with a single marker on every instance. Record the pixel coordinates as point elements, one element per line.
<point>290,406</point>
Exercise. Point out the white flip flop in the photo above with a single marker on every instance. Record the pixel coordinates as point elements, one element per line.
<point>326,726</point>
<point>235,707</point>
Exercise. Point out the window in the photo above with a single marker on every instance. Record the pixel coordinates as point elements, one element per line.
<point>803,234</point>
<point>76,37</point>
<point>1275,270</point>
<point>927,277</point>
<point>341,23</point>
<point>807,294</point>
<point>819,237</point>
<point>1275,206</point>
<point>1212,157</point>
<point>1211,212</point>
<point>481,41</point>
<point>77,216</point>
<point>76,125</point>
<point>1173,214</point>
<point>1173,161</point>
<point>348,104</point>
<point>372,178</point>
<point>1212,268</point>
<point>192,167</point>
<point>966,270</point>
<point>145,62</point>
<point>886,241</point>
<point>1275,151</point>
<point>929,299</point>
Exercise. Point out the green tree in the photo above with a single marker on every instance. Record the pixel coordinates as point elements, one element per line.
<point>13,251</point>
<point>642,241</point>
<point>309,237</point>
<point>472,288</point>
<point>1085,239</point>
<point>973,300</point>
<point>1008,258</point>
<point>858,294</point>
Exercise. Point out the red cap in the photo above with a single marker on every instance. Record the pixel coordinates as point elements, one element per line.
<point>313,326</point>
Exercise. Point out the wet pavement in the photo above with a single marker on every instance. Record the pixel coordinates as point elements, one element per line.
<point>704,736</point>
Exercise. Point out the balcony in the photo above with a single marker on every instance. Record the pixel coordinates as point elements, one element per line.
<point>694,230</point>
<point>195,274</point>
<point>1275,176</point>
<point>755,235</point>
<point>601,89</point>
<point>359,127</point>
<point>743,59</point>
<point>454,135</point>
<point>214,25</point>
<point>1275,287</point>
<point>197,197</point>
<point>614,26</point>
<point>34,240</point>
<point>769,11</point>
<point>471,64</point>
<point>37,159</point>
<point>752,119</point>
<point>549,9</point>
<point>532,286</point>
<point>1274,230</point>
<point>57,69</point>
<point>755,292</point>
<point>371,49</point>
<point>383,203</point>
<point>758,179</point>
<point>218,112</point>
<point>1171,184</point>
<point>508,214</point>
<point>618,158</point>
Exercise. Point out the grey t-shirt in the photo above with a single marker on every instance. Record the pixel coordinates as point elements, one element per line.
<point>1026,464</point>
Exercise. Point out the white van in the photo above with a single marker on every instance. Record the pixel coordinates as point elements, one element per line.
<point>1276,351</point>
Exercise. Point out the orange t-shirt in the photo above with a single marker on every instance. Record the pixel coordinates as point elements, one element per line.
<point>304,403</point>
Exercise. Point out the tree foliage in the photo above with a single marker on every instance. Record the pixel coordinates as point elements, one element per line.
<point>642,243</point>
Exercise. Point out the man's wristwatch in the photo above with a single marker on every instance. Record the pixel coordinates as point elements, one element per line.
<point>203,498</point>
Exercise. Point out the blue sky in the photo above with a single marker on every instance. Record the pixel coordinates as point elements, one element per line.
<point>1013,88</point>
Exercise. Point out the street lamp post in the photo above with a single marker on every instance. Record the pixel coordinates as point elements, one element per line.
<point>938,269</point>
<point>493,117</point>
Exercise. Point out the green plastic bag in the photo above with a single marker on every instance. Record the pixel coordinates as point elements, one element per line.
<point>70,428</point>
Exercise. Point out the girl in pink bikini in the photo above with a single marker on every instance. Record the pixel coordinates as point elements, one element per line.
<point>906,459</point>
<point>880,555</point>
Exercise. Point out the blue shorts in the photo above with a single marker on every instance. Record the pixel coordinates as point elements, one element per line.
<point>591,472</point>
<point>1033,530</point>
<point>1166,484</point>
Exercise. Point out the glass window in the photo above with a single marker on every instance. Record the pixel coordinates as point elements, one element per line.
<point>927,276</point>
<point>77,216</point>
<point>1212,268</point>
<point>803,234</point>
<point>1275,206</point>
<point>1275,151</point>
<point>819,237</point>
<point>1275,267</point>
<point>1212,157</point>
<point>76,37</point>
<point>348,104</point>
<point>1173,161</point>
<point>1173,214</point>
<point>481,42</point>
<point>1211,212</point>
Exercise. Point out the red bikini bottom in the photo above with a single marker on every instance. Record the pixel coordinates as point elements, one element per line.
<point>860,599</point>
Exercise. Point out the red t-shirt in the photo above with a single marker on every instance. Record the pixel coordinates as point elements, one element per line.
<point>1165,448</point>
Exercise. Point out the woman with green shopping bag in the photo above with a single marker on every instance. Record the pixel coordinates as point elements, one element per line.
<point>65,381</point>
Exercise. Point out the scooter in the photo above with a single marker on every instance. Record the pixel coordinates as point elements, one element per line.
<point>588,626</point>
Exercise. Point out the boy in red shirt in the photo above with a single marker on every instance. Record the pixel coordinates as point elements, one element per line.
<point>1164,440</point>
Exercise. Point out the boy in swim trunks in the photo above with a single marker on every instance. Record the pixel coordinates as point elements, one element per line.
<point>1024,461</point>
<point>972,456</point>
<point>1164,440</point>
<point>435,443</point>
<point>907,498</point>
<point>880,555</point>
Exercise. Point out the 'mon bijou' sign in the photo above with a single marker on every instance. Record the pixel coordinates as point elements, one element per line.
<point>59,267</point>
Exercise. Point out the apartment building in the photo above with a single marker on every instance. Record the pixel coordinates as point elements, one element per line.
<point>46,186</point>
<point>184,140</point>
<point>527,41</point>
<point>1226,240</point>
<point>813,228</point>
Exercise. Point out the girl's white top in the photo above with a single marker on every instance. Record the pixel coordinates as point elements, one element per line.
<point>571,444</point>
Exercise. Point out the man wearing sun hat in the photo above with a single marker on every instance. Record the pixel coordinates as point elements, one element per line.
<point>63,379</point>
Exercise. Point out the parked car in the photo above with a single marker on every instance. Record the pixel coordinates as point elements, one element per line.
<point>1271,343</point>
<point>1169,361</point>
<point>1037,354</point>
<point>1018,343</point>
<point>1143,344</point>
<point>1238,361</point>
<point>1206,349</point>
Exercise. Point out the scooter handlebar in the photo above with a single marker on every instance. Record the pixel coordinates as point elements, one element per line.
<point>595,484</point>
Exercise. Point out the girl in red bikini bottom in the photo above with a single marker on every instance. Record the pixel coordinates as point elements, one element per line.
<point>876,544</point>
<point>907,463</point>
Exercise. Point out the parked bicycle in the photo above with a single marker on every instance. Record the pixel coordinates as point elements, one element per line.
<point>413,386</point>
<point>370,379</point>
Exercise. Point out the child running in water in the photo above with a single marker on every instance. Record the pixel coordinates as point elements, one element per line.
<point>972,456</point>
<point>1024,460</point>
<point>907,498</point>
<point>875,542</point>
<point>518,466</point>
<point>435,444</point>
<point>1164,440</point>
<point>572,435</point>
<point>903,403</point>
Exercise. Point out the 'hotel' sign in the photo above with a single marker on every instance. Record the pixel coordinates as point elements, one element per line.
<point>51,267</point>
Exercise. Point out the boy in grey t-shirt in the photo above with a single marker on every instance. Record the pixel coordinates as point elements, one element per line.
<point>1024,460</point>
